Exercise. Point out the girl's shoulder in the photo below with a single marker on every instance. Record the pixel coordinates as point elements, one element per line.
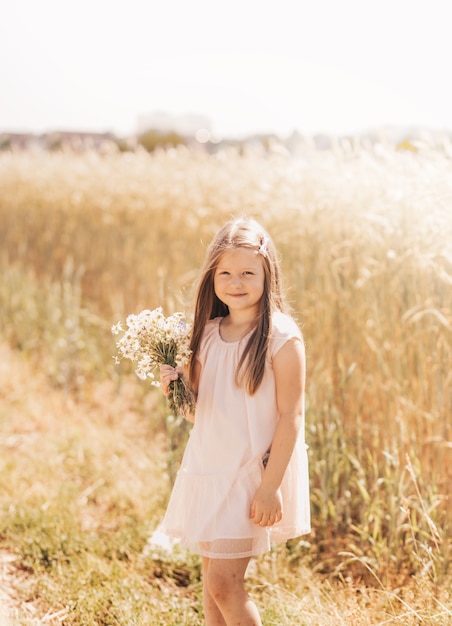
<point>210,332</point>
<point>211,326</point>
<point>284,328</point>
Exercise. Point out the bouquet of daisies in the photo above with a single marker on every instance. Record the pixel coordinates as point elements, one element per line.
<point>151,339</point>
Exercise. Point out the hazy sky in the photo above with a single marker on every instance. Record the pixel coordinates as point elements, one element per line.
<point>317,66</point>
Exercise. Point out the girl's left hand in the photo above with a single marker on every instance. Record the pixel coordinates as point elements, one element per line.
<point>167,375</point>
<point>266,507</point>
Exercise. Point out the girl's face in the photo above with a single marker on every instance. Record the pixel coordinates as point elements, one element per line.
<point>239,280</point>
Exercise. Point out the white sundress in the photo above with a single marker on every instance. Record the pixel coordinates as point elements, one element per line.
<point>222,465</point>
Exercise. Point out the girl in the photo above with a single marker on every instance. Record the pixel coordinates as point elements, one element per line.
<point>243,480</point>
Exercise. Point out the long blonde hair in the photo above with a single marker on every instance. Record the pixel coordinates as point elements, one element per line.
<point>240,233</point>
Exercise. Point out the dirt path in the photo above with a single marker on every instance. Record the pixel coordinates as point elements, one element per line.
<point>16,375</point>
<point>14,612</point>
<point>9,606</point>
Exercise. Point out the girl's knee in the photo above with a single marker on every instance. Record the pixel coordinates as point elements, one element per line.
<point>217,583</point>
<point>222,584</point>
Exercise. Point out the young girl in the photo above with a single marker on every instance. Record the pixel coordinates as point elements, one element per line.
<point>243,481</point>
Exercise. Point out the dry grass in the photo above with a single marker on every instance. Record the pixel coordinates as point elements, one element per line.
<point>365,237</point>
<point>88,491</point>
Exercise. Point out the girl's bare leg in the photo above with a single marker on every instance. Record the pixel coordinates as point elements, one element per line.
<point>225,588</point>
<point>212,613</point>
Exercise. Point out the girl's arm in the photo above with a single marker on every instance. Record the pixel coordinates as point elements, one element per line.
<point>289,366</point>
<point>168,374</point>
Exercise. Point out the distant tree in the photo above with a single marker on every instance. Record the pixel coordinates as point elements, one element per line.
<point>153,139</point>
<point>54,141</point>
<point>5,142</point>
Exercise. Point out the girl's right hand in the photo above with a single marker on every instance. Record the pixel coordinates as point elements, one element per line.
<point>167,375</point>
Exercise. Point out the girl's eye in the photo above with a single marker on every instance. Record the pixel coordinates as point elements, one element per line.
<point>249,273</point>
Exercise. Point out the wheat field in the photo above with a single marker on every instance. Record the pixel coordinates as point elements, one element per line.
<point>365,236</point>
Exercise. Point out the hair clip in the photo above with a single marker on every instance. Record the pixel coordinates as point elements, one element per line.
<point>263,249</point>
